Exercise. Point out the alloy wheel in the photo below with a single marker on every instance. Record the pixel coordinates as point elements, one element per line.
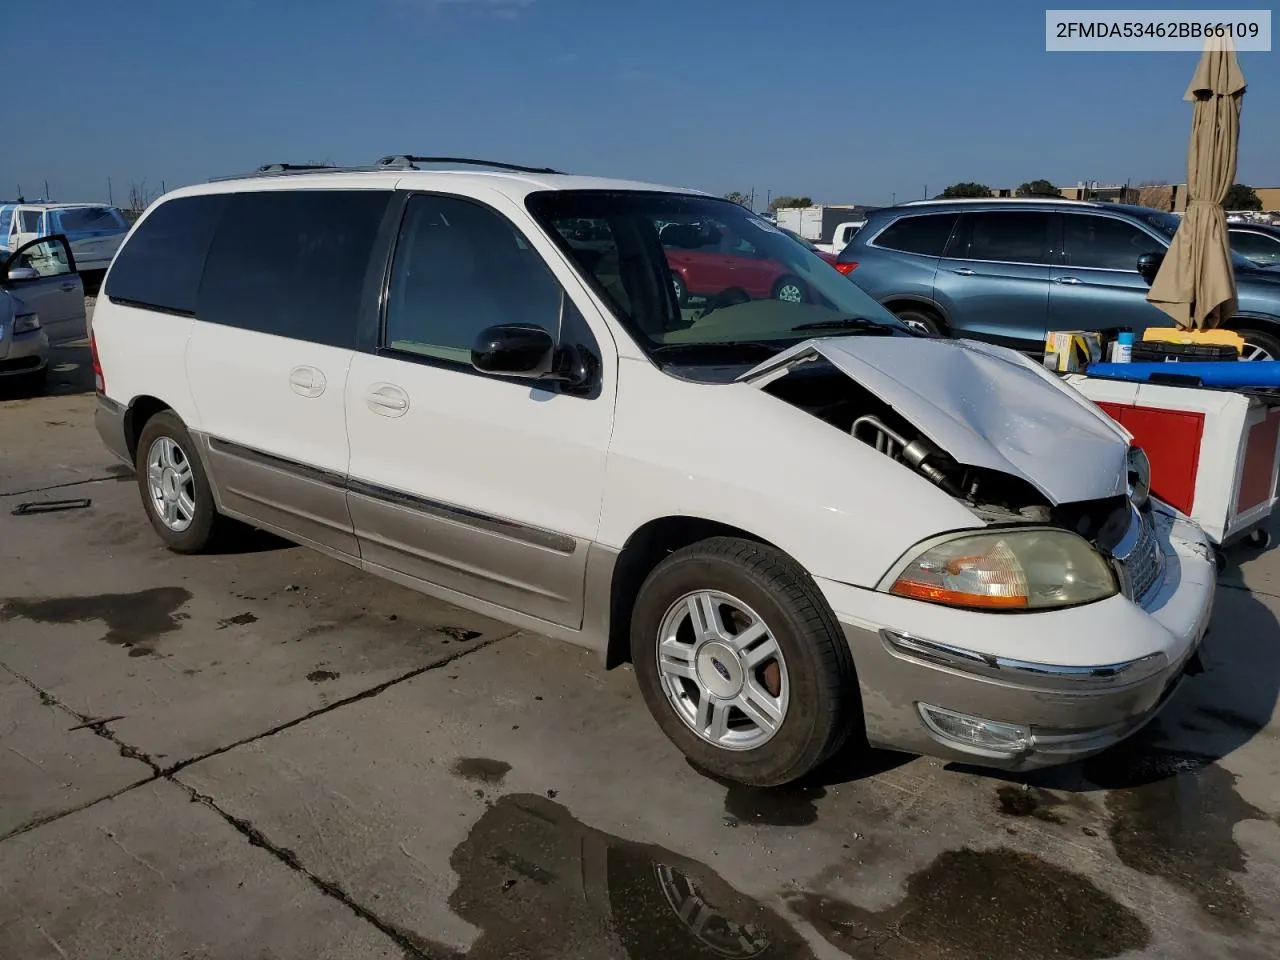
<point>171,484</point>
<point>722,670</point>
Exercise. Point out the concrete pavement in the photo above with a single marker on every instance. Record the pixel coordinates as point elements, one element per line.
<point>268,754</point>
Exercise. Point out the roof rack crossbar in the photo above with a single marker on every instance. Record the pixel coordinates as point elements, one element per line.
<point>410,162</point>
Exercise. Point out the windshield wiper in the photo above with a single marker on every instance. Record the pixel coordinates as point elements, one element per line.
<point>847,323</point>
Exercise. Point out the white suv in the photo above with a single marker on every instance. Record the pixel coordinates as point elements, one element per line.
<point>801,523</point>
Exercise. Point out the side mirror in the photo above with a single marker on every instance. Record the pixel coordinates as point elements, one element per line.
<point>1149,266</point>
<point>23,273</point>
<point>525,350</point>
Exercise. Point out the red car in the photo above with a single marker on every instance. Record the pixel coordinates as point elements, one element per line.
<point>707,260</point>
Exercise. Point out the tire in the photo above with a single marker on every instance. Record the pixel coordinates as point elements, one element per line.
<point>1259,344</point>
<point>816,686</point>
<point>205,526</point>
<point>790,290</point>
<point>921,320</point>
<point>682,294</point>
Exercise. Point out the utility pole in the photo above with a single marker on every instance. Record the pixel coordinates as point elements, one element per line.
<point>768,198</point>
<point>111,200</point>
<point>926,191</point>
<point>893,199</point>
<point>752,208</point>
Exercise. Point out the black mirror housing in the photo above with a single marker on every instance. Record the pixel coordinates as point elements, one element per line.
<point>1149,266</point>
<point>514,350</point>
<point>530,352</point>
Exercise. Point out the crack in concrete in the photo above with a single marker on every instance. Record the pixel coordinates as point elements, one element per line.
<point>329,707</point>
<point>413,945</point>
<point>63,486</point>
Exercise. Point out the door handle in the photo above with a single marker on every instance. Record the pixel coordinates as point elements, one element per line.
<point>307,382</point>
<point>963,271</point>
<point>68,286</point>
<point>1067,280</point>
<point>387,400</point>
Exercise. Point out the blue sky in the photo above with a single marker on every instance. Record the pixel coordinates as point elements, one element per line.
<point>840,100</point>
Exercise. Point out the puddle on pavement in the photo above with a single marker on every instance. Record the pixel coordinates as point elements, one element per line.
<point>978,905</point>
<point>792,805</point>
<point>539,884</point>
<point>323,676</point>
<point>481,769</point>
<point>133,620</point>
<point>239,620</point>
<point>1013,800</point>
<point>1173,816</point>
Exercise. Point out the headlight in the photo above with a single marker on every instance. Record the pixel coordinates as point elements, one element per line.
<point>26,323</point>
<point>1139,477</point>
<point>1009,570</point>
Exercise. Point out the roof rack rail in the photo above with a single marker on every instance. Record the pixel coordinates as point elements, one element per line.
<point>405,161</point>
<point>289,169</point>
<point>1045,199</point>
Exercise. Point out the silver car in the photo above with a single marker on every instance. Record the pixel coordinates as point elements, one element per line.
<point>41,302</point>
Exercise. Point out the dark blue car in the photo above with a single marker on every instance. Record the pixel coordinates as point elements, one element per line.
<point>1008,271</point>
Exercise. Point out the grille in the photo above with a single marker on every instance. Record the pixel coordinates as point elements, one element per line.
<point>1143,565</point>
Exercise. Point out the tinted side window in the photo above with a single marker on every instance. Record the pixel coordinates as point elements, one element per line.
<point>459,268</point>
<point>160,265</point>
<point>30,220</point>
<point>292,262</point>
<point>6,218</point>
<point>1104,243</point>
<point>1011,237</point>
<point>923,234</point>
<point>1255,245</point>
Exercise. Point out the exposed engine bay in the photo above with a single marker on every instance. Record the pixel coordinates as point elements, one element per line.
<point>825,392</point>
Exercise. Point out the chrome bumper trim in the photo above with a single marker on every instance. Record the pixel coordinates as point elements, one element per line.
<point>1043,676</point>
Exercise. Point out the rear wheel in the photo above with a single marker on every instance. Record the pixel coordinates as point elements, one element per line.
<point>1259,345</point>
<point>174,487</point>
<point>920,319</point>
<point>742,663</point>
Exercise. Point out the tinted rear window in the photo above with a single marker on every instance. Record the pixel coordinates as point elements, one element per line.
<point>90,218</point>
<point>160,265</point>
<point>921,234</point>
<point>292,262</point>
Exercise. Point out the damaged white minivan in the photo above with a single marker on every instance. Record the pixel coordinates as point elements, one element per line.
<point>806,527</point>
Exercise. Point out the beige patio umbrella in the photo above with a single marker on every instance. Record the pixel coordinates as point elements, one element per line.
<point>1195,284</point>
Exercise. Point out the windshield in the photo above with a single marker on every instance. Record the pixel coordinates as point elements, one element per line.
<point>688,271</point>
<point>79,219</point>
<point>1168,223</point>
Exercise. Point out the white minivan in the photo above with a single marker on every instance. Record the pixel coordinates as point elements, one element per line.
<point>804,525</point>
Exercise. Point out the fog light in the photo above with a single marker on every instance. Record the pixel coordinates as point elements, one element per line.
<point>975,735</point>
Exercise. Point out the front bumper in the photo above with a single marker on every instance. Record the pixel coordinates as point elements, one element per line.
<point>1055,686</point>
<point>28,353</point>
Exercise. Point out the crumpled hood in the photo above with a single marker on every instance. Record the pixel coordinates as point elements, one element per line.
<point>986,406</point>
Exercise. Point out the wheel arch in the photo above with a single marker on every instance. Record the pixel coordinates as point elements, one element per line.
<point>917,301</point>
<point>140,410</point>
<point>647,546</point>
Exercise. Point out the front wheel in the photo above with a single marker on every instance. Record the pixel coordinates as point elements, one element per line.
<point>790,290</point>
<point>174,487</point>
<point>742,663</point>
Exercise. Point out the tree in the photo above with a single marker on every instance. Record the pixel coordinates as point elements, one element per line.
<point>737,196</point>
<point>964,190</point>
<point>1038,188</point>
<point>1241,197</point>
<point>140,196</point>
<point>777,203</point>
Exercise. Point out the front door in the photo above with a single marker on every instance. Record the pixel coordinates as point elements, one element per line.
<point>42,274</point>
<point>993,282</point>
<point>1097,286</point>
<point>489,487</point>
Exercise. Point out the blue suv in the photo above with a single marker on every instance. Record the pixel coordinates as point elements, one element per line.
<point>1007,271</point>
